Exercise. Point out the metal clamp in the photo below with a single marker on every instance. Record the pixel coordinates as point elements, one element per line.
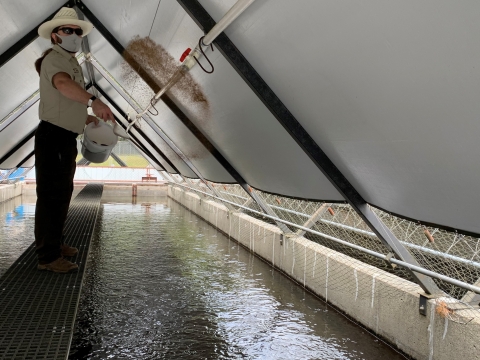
<point>388,260</point>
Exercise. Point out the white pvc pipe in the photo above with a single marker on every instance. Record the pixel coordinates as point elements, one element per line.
<point>226,20</point>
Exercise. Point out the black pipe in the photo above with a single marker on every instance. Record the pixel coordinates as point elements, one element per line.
<point>18,146</point>
<point>25,159</point>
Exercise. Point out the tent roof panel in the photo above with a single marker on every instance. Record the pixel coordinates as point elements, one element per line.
<point>14,160</point>
<point>19,17</point>
<point>18,130</point>
<point>18,77</point>
<point>386,89</point>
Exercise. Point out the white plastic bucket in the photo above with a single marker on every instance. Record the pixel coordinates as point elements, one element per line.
<point>98,142</point>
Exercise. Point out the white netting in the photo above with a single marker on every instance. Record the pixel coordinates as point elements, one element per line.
<point>447,253</point>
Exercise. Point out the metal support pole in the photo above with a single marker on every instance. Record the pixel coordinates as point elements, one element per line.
<point>168,177</point>
<point>313,219</point>
<point>25,159</point>
<point>86,50</point>
<point>304,140</point>
<point>118,160</point>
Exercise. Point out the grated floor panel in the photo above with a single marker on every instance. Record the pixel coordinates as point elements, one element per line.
<point>38,308</point>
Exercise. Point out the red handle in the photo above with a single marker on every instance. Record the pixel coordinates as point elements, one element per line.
<point>185,54</point>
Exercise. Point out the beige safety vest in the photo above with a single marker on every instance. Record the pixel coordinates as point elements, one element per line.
<point>54,107</point>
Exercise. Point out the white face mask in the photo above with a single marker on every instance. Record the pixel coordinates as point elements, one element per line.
<point>71,43</point>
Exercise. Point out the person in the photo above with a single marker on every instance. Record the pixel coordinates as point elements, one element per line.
<point>63,116</point>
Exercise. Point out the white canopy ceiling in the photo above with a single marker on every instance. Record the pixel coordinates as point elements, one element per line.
<point>387,89</point>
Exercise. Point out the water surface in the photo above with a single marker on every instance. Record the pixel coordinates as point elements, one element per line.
<point>163,284</point>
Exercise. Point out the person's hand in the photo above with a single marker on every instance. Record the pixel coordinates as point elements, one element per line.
<point>91,119</point>
<point>102,111</point>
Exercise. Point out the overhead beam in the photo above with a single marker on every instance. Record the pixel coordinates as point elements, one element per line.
<point>304,140</point>
<point>25,159</point>
<point>27,104</point>
<point>26,40</point>
<point>12,151</point>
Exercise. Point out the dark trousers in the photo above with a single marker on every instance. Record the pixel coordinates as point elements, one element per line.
<point>55,154</point>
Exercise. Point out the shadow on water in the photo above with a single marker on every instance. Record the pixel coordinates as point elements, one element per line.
<point>163,284</point>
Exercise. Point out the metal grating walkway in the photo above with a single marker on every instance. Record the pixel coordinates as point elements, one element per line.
<point>38,308</point>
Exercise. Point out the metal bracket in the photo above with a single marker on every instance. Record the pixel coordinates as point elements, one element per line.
<point>422,306</point>
<point>387,260</point>
<point>281,239</point>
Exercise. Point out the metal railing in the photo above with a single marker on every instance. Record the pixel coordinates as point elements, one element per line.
<point>385,257</point>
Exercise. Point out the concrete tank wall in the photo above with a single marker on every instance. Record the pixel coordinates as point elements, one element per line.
<point>390,308</point>
<point>9,191</point>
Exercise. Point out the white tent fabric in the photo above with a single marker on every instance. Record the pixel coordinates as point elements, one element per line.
<point>388,90</point>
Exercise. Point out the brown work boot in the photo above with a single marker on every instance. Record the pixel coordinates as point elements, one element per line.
<point>59,266</point>
<point>68,250</point>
